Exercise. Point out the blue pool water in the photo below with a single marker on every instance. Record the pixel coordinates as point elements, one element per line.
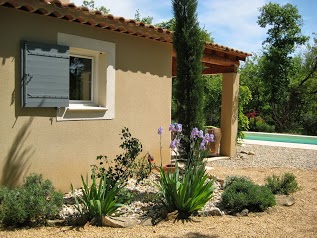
<point>311,140</point>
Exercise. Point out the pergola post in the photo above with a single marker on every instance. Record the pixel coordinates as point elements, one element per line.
<point>229,114</point>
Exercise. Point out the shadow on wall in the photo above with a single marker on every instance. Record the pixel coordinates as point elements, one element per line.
<point>16,163</point>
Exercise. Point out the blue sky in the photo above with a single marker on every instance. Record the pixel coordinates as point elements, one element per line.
<point>231,22</point>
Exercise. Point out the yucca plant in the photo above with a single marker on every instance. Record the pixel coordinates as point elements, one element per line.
<point>187,192</point>
<point>98,199</point>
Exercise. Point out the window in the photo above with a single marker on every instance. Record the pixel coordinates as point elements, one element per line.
<point>80,78</point>
<point>77,76</point>
<point>91,79</point>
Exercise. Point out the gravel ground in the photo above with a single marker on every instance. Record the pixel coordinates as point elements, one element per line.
<point>270,157</point>
<point>299,220</point>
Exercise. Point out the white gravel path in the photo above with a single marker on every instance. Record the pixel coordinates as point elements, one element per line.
<point>270,157</point>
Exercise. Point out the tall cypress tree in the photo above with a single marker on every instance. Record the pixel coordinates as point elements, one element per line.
<point>189,45</point>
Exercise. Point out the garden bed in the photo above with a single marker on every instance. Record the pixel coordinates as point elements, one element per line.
<point>298,220</point>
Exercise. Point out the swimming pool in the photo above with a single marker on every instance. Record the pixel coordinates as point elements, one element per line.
<point>275,137</point>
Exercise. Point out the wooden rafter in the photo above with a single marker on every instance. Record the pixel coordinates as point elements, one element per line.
<point>214,62</point>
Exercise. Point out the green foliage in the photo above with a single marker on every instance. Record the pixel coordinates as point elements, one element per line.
<point>186,192</point>
<point>146,20</point>
<point>91,5</point>
<point>299,110</point>
<point>212,99</point>
<point>258,124</point>
<point>284,184</point>
<point>3,192</point>
<point>189,86</point>
<point>243,123</point>
<point>235,178</point>
<point>170,24</point>
<point>124,163</point>
<point>283,36</point>
<point>142,167</point>
<point>99,198</point>
<point>262,126</point>
<point>243,194</point>
<point>310,124</point>
<point>35,201</point>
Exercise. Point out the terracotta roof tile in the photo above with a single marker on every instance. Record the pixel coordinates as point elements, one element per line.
<point>83,15</point>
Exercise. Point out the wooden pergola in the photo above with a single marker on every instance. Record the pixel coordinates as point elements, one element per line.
<point>218,59</point>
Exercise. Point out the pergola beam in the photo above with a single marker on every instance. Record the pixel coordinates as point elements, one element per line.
<point>214,62</point>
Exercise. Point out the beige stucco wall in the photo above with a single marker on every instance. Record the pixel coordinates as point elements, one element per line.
<point>31,140</point>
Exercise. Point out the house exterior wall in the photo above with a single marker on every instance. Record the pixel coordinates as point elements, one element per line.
<point>32,140</point>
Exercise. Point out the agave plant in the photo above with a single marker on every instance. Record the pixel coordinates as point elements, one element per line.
<point>188,192</point>
<point>98,199</point>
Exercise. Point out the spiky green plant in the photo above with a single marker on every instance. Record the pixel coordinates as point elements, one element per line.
<point>99,198</point>
<point>187,192</point>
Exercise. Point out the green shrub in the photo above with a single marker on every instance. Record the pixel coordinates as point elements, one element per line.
<point>3,192</point>
<point>142,167</point>
<point>310,124</point>
<point>243,194</point>
<point>235,178</point>
<point>258,124</point>
<point>187,192</point>
<point>262,126</point>
<point>35,201</point>
<point>285,184</point>
<point>124,163</point>
<point>99,198</point>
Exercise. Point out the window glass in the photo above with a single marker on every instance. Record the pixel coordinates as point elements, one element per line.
<point>80,78</point>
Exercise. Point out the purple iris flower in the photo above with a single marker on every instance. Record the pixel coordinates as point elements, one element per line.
<point>178,127</point>
<point>209,137</point>
<point>173,144</point>
<point>160,131</point>
<point>201,134</point>
<point>203,145</point>
<point>194,133</point>
<point>172,127</point>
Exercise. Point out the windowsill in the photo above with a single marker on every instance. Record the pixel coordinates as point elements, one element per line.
<point>84,112</point>
<point>85,108</point>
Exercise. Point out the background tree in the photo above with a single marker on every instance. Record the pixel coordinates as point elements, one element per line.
<point>146,20</point>
<point>303,90</point>
<point>189,45</point>
<point>283,36</point>
<point>91,5</point>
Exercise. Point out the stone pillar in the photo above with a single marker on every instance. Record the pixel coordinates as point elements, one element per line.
<point>229,114</point>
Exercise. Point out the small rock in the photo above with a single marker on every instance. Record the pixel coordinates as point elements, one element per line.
<point>244,212</point>
<point>284,200</point>
<point>213,212</point>
<point>78,221</point>
<point>208,168</point>
<point>221,182</point>
<point>251,153</point>
<point>243,152</point>
<point>171,215</point>
<point>271,210</point>
<point>147,222</point>
<point>118,222</point>
<point>56,223</point>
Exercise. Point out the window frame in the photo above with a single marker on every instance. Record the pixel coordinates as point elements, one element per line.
<point>103,106</point>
